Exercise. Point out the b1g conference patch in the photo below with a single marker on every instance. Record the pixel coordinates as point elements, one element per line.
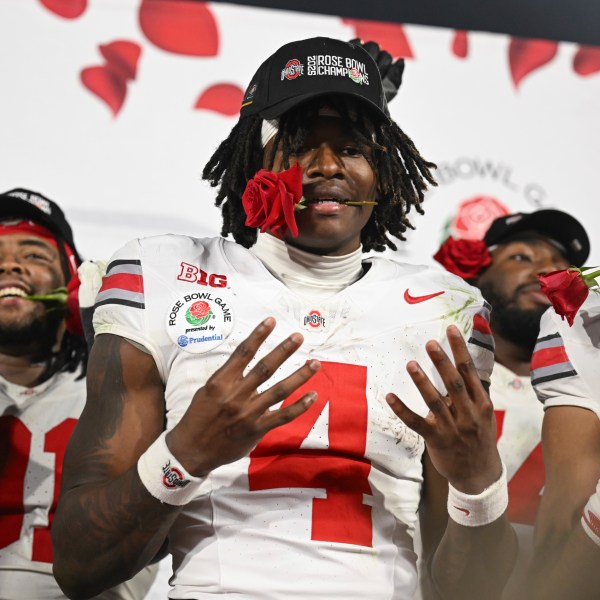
<point>200,321</point>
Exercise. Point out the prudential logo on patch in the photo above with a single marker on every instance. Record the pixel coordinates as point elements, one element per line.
<point>184,340</point>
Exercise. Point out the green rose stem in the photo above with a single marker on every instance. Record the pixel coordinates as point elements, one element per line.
<point>589,278</point>
<point>302,204</point>
<point>58,296</point>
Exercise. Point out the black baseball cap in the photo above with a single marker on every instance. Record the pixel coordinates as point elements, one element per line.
<point>556,225</point>
<point>314,67</point>
<point>35,207</point>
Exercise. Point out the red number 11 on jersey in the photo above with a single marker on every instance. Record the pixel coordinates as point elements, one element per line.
<point>342,470</point>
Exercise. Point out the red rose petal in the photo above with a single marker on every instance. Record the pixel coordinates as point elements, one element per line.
<point>67,9</point>
<point>566,290</point>
<point>390,36</point>
<point>180,26</point>
<point>460,44</point>
<point>527,55</point>
<point>224,98</point>
<point>123,56</point>
<point>106,83</point>
<point>465,258</point>
<point>587,60</point>
<point>292,178</point>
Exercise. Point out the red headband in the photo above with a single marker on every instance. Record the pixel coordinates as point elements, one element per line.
<point>73,318</point>
<point>29,227</point>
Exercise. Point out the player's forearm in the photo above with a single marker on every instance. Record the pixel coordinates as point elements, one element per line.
<point>105,533</point>
<point>573,573</point>
<point>471,563</point>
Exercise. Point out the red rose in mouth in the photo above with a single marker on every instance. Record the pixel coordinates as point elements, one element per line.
<point>566,290</point>
<point>465,258</point>
<point>270,198</point>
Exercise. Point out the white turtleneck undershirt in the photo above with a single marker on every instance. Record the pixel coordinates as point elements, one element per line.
<point>308,274</point>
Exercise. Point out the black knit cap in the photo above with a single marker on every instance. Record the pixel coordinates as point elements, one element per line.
<point>556,225</point>
<point>314,67</point>
<point>35,207</point>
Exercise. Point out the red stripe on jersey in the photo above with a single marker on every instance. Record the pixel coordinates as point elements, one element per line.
<point>593,522</point>
<point>123,281</point>
<point>546,357</point>
<point>480,324</point>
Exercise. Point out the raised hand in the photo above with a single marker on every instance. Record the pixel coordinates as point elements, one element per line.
<point>227,417</point>
<point>391,71</point>
<point>460,428</point>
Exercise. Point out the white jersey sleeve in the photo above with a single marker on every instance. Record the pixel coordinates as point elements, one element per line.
<point>564,366</point>
<point>35,427</point>
<point>120,303</point>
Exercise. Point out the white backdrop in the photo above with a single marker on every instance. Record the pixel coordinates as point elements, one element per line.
<point>134,169</point>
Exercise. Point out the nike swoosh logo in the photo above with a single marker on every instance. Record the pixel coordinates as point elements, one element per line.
<point>465,510</point>
<point>416,299</point>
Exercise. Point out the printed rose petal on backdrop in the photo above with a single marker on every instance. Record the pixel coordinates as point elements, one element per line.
<point>526,55</point>
<point>106,83</point>
<point>587,60</point>
<point>122,55</point>
<point>460,44</point>
<point>109,82</point>
<point>180,26</point>
<point>67,9</point>
<point>223,98</point>
<point>390,36</point>
<point>475,215</point>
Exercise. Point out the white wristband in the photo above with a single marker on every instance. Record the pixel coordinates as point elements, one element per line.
<point>164,476</point>
<point>590,519</point>
<point>481,509</point>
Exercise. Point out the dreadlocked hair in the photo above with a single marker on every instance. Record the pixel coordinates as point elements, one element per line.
<point>402,173</point>
<point>72,355</point>
<point>73,351</point>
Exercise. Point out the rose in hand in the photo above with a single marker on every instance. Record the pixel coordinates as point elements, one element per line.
<point>568,289</point>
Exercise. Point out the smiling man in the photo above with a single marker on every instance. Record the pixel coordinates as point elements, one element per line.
<point>43,359</point>
<point>270,458</point>
<point>521,246</point>
<point>41,388</point>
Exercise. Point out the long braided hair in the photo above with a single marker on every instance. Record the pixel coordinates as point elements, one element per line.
<point>402,173</point>
<point>73,352</point>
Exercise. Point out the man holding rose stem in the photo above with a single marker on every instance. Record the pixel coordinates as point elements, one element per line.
<point>505,266</point>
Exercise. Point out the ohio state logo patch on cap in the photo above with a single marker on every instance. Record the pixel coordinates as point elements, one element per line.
<point>200,321</point>
<point>293,69</point>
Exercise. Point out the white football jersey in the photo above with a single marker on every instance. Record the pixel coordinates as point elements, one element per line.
<point>35,426</point>
<point>324,506</point>
<point>564,367</point>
